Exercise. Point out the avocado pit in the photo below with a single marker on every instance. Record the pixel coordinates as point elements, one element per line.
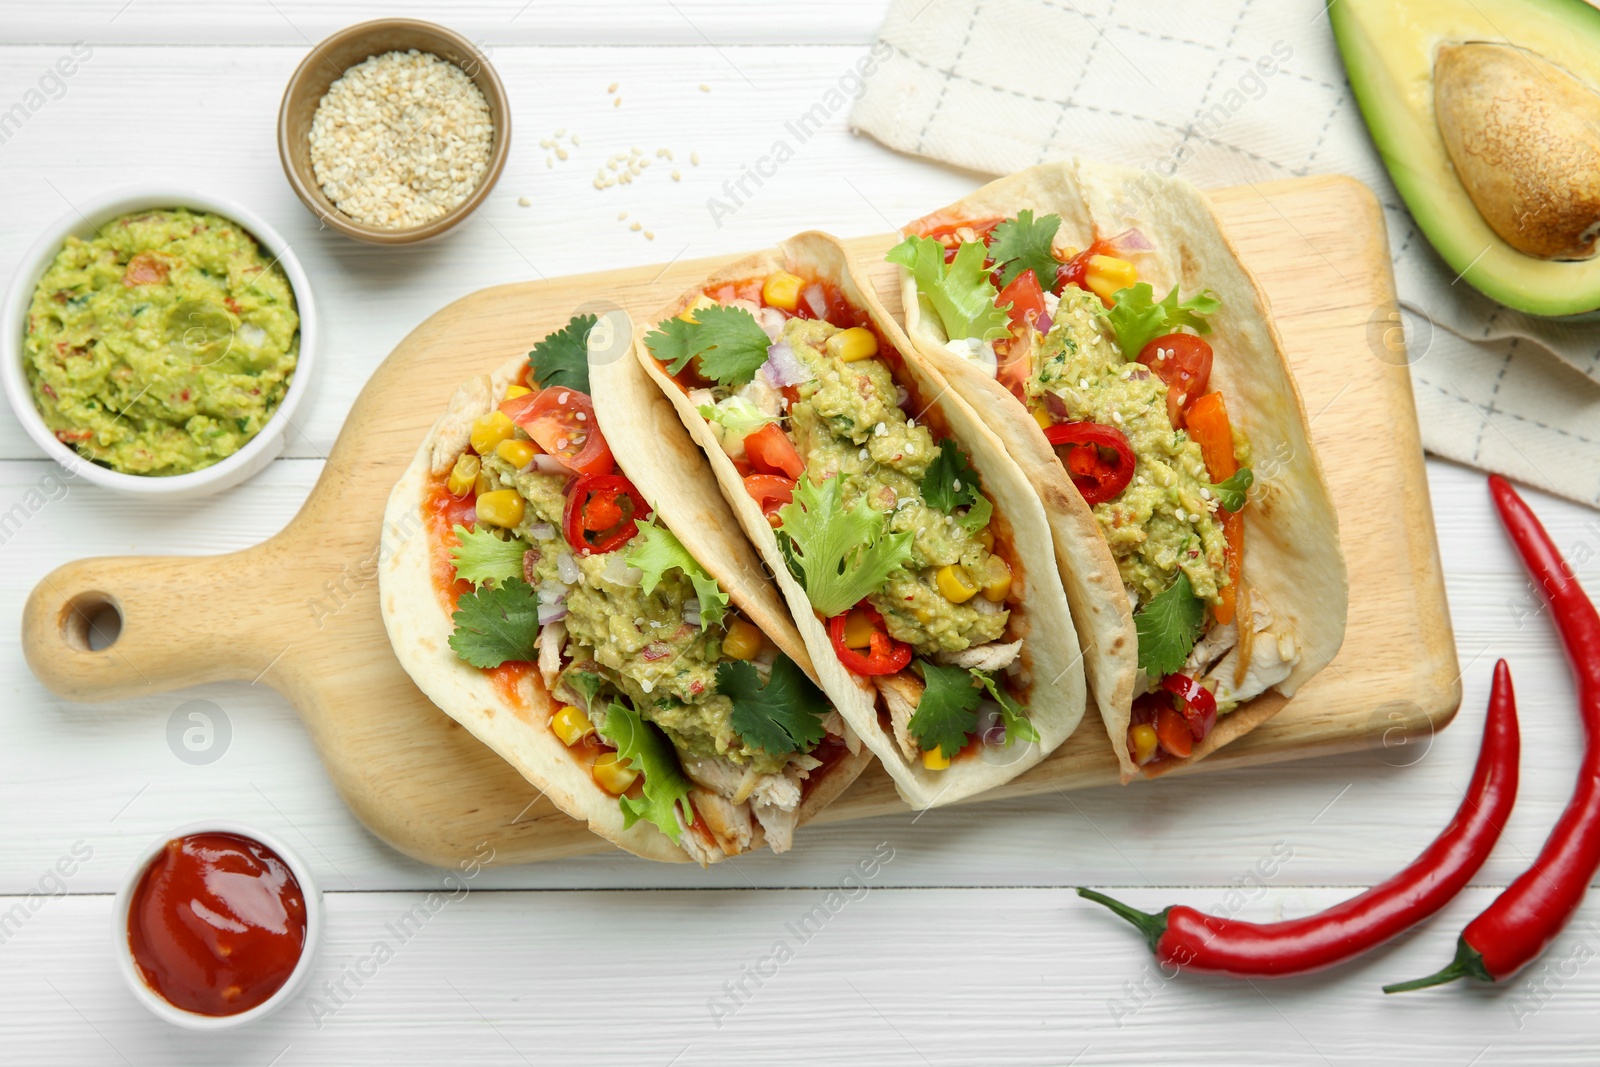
<point>1524,136</point>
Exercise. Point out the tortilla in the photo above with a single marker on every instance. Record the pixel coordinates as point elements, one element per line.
<point>641,430</point>
<point>1050,652</point>
<point>1292,560</point>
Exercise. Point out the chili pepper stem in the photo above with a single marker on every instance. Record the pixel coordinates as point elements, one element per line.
<point>1151,926</point>
<point>1467,964</point>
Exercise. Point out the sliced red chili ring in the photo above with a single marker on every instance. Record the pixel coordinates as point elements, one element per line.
<point>1098,478</point>
<point>884,654</point>
<point>605,507</point>
<point>1195,701</point>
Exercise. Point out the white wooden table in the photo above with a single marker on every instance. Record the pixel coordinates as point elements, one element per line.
<point>969,946</point>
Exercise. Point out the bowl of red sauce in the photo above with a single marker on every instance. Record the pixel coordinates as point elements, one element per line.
<point>216,925</point>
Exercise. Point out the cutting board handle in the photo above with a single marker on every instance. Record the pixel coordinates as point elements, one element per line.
<point>183,621</point>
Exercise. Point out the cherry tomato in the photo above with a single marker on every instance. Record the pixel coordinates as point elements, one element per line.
<point>771,452</point>
<point>516,408</point>
<point>1196,703</point>
<point>771,491</point>
<point>1183,361</point>
<point>884,654</point>
<point>1173,732</point>
<point>602,513</point>
<point>561,421</point>
<point>1025,297</point>
<point>1097,477</point>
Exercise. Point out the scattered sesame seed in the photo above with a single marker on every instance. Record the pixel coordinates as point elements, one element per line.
<point>549,162</point>
<point>704,88</point>
<point>694,158</point>
<point>636,227</point>
<point>546,143</point>
<point>523,201</point>
<point>648,236</point>
<point>621,215</point>
<point>611,88</point>
<point>677,177</point>
<point>561,132</point>
<point>561,153</point>
<point>574,140</point>
<point>617,102</point>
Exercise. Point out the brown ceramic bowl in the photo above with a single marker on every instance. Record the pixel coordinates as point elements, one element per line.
<point>329,60</point>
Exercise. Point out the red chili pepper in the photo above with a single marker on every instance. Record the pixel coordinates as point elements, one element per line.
<point>884,654</point>
<point>605,505</point>
<point>1183,937</point>
<point>1197,703</point>
<point>1096,477</point>
<point>1527,916</point>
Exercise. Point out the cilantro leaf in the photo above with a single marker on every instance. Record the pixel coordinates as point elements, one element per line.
<point>1168,627</point>
<point>496,624</point>
<point>1021,244</point>
<point>962,294</point>
<point>947,713</point>
<point>656,550</point>
<point>586,684</point>
<point>950,483</point>
<point>1012,714</point>
<point>647,751</point>
<point>1137,319</point>
<point>843,554</point>
<point>562,358</point>
<point>729,341</point>
<point>781,717</point>
<point>1230,492</point>
<point>483,559</point>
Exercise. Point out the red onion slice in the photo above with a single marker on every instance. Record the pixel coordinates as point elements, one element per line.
<point>817,301</point>
<point>547,464</point>
<point>1131,240</point>
<point>553,612</point>
<point>783,367</point>
<point>1043,323</point>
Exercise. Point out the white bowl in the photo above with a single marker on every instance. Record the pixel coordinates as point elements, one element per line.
<point>189,1020</point>
<point>81,222</point>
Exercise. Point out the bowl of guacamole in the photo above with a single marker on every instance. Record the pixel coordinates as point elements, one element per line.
<point>158,342</point>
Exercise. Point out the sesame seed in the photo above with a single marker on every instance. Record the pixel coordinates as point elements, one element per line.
<point>881,430</point>
<point>561,153</point>
<point>677,177</point>
<point>611,88</point>
<point>574,140</point>
<point>523,201</point>
<point>704,88</point>
<point>636,227</point>
<point>694,158</point>
<point>549,162</point>
<point>863,454</point>
<point>621,215</point>
<point>617,102</point>
<point>561,132</point>
<point>955,483</point>
<point>648,236</point>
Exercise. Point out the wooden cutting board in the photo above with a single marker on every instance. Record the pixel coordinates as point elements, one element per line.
<point>300,611</point>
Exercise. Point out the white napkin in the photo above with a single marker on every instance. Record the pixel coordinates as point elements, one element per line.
<point>1223,93</point>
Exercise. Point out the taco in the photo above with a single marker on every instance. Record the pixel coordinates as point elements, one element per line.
<point>914,555</point>
<point>594,617</point>
<point>1103,323</point>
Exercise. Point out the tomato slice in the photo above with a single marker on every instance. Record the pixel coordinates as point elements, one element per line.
<point>602,513</point>
<point>1097,477</point>
<point>1183,361</point>
<point>1026,298</point>
<point>561,421</point>
<point>771,491</point>
<point>517,408</point>
<point>1195,702</point>
<point>1172,730</point>
<point>884,654</point>
<point>771,452</point>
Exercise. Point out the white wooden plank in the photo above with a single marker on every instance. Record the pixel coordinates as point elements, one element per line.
<point>100,136</point>
<point>896,977</point>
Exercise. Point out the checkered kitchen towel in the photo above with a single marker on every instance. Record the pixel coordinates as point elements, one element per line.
<point>998,85</point>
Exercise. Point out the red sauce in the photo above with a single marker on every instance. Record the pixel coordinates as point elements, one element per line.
<point>441,513</point>
<point>217,923</point>
<point>507,680</point>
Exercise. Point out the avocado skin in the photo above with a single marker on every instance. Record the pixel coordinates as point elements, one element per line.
<point>1388,48</point>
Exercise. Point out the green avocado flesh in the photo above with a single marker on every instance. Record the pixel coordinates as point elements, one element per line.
<point>1389,48</point>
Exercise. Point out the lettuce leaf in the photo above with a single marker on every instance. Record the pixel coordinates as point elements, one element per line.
<point>843,555</point>
<point>647,751</point>
<point>963,294</point>
<point>655,550</point>
<point>483,559</point>
<point>736,415</point>
<point>1137,319</point>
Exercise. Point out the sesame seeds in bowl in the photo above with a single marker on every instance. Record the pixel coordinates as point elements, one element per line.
<point>393,131</point>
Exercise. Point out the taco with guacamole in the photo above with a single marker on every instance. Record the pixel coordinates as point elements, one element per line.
<point>914,556</point>
<point>594,617</point>
<point>1104,325</point>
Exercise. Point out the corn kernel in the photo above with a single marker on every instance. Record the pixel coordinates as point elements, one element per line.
<point>489,430</point>
<point>514,391</point>
<point>701,301</point>
<point>986,538</point>
<point>1041,415</point>
<point>1107,274</point>
<point>782,290</point>
<point>483,483</point>
<point>857,342</point>
<point>502,507</point>
<point>956,585</point>
<point>858,630</point>
<point>1143,741</point>
<point>463,476</point>
<point>571,725</point>
<point>612,774</point>
<point>742,641</point>
<point>996,580</point>
<point>935,760</point>
<point>515,452</point>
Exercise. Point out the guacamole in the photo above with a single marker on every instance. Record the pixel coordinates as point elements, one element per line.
<point>847,424</point>
<point>162,345</point>
<point>665,666</point>
<point>1165,520</point>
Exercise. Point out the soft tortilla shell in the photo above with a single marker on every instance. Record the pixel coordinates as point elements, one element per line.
<point>1050,650</point>
<point>1292,561</point>
<point>419,629</point>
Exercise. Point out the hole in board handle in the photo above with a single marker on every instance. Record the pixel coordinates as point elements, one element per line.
<point>91,622</point>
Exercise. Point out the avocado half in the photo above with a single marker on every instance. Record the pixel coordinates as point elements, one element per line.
<point>1390,50</point>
